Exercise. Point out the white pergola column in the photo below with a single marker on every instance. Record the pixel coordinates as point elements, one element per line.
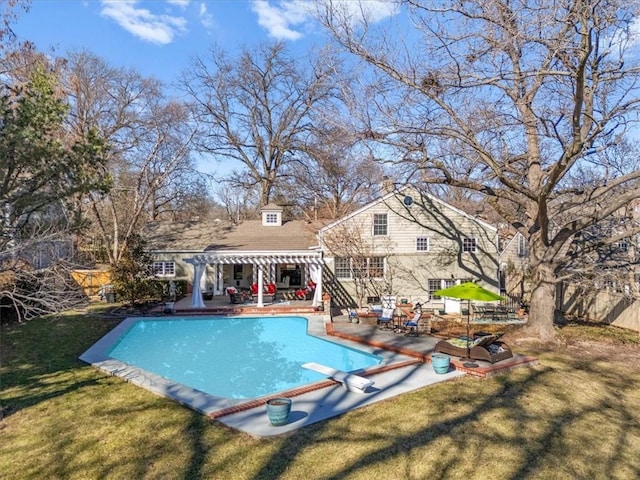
<point>317,298</point>
<point>260,287</point>
<point>220,282</point>
<point>315,272</point>
<point>199,267</point>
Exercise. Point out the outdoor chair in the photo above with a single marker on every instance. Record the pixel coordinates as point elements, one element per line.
<point>284,283</point>
<point>386,318</point>
<point>411,327</point>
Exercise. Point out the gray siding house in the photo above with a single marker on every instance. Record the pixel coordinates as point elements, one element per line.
<point>407,245</point>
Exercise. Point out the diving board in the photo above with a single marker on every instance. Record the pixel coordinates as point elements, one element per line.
<point>349,381</point>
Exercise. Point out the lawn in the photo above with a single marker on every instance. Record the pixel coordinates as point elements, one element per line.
<point>573,416</point>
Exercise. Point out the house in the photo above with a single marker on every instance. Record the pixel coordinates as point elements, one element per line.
<point>409,244</point>
<point>406,244</point>
<point>213,256</point>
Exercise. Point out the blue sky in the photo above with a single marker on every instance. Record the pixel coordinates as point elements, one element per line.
<point>158,37</point>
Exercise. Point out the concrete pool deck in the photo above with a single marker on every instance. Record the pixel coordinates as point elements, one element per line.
<point>405,367</point>
<point>330,402</point>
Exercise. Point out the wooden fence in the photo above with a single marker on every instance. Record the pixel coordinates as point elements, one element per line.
<point>600,305</point>
<point>91,280</point>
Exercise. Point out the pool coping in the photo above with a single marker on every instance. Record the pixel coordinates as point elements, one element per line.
<point>213,406</point>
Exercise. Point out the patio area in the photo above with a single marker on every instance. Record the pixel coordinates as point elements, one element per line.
<point>410,370</point>
<point>221,305</point>
<point>369,333</point>
<point>313,405</point>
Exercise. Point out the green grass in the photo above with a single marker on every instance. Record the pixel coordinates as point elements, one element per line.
<point>567,418</point>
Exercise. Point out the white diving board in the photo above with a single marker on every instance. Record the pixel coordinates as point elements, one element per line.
<point>349,381</point>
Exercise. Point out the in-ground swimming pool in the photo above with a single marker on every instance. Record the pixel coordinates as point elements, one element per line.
<point>237,358</point>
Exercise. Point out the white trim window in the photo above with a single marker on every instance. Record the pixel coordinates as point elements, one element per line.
<point>469,245</point>
<point>271,218</point>
<point>343,267</point>
<point>347,268</point>
<point>422,244</point>
<point>380,224</point>
<point>164,269</point>
<point>434,284</point>
<point>522,247</point>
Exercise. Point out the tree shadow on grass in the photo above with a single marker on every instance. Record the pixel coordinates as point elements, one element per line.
<point>39,359</point>
<point>543,439</point>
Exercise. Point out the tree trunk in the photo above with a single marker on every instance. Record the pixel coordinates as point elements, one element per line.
<point>542,305</point>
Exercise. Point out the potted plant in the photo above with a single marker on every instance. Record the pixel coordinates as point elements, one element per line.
<point>440,363</point>
<point>169,306</point>
<point>278,410</point>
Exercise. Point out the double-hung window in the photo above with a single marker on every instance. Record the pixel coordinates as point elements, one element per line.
<point>434,284</point>
<point>343,267</point>
<point>422,244</point>
<point>380,224</point>
<point>361,267</point>
<point>271,218</point>
<point>375,267</point>
<point>469,244</point>
<point>164,269</point>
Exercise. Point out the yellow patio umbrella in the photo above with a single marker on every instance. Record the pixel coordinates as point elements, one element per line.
<point>469,291</point>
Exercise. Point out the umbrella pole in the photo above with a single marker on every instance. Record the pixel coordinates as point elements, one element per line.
<point>469,363</point>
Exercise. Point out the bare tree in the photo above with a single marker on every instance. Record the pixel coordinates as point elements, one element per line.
<point>43,172</point>
<point>508,99</point>
<point>256,109</point>
<point>9,11</point>
<point>349,244</point>
<point>150,144</point>
<point>335,175</point>
<point>239,203</point>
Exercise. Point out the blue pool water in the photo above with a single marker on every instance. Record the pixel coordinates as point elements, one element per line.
<point>234,357</point>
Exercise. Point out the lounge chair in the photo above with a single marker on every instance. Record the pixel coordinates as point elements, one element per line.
<point>487,348</point>
<point>386,318</point>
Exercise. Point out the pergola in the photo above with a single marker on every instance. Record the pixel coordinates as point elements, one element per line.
<point>262,261</point>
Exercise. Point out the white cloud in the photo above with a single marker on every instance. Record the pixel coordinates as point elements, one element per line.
<point>281,17</point>
<point>142,23</point>
<point>205,17</point>
<point>180,3</point>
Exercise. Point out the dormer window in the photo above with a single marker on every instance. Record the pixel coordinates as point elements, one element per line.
<point>271,218</point>
<point>272,215</point>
